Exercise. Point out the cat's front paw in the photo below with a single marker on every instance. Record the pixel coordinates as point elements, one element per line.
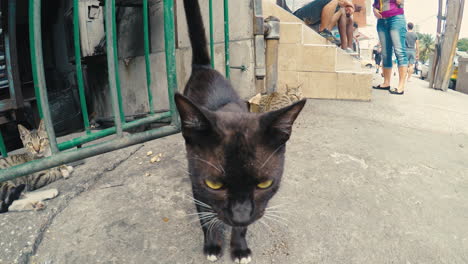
<point>38,205</point>
<point>212,252</point>
<point>66,171</point>
<point>242,256</point>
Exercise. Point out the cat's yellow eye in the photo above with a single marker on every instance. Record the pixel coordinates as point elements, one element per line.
<point>265,184</point>
<point>213,185</point>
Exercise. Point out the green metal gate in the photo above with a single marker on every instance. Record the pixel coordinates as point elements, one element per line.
<point>67,152</point>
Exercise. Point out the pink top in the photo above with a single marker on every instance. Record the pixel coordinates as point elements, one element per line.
<point>388,8</point>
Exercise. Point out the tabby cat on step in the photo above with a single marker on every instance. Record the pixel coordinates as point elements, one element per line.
<point>278,100</point>
<point>37,146</point>
<point>235,158</point>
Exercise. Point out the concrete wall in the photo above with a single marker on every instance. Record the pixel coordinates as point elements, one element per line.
<point>132,68</point>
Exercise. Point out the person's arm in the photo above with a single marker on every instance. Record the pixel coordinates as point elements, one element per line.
<point>417,49</point>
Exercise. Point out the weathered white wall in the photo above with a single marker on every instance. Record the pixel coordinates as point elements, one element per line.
<point>132,69</point>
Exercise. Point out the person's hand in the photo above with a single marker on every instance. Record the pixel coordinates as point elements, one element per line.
<point>377,13</point>
<point>349,10</point>
<point>399,2</point>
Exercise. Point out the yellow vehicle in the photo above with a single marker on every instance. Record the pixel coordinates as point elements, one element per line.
<point>453,78</point>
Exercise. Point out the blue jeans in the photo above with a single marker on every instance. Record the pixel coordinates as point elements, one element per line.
<point>392,35</point>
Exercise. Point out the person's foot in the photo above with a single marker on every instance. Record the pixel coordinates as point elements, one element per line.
<point>381,87</point>
<point>395,91</point>
<point>350,51</point>
<point>329,36</point>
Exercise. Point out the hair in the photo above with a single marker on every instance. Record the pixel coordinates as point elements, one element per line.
<point>410,26</point>
<point>355,25</point>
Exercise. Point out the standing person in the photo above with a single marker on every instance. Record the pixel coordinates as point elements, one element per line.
<point>412,49</point>
<point>377,54</point>
<point>391,27</point>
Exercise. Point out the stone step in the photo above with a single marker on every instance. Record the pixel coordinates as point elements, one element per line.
<point>322,69</point>
<point>328,85</point>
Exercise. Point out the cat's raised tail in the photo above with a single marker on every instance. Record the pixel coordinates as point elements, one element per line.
<point>197,34</point>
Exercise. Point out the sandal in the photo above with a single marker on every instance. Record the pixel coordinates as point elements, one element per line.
<point>396,92</point>
<point>378,87</point>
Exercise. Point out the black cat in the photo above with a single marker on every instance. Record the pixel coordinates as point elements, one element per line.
<point>235,158</point>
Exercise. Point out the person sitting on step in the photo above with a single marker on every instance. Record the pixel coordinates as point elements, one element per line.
<point>318,15</point>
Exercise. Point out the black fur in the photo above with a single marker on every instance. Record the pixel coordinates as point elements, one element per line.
<point>12,195</point>
<point>227,144</point>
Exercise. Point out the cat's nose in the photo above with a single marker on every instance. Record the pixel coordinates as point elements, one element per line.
<point>241,213</point>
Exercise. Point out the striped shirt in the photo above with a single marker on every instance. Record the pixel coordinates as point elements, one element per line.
<point>388,8</point>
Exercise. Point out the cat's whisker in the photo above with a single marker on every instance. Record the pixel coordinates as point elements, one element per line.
<point>279,212</point>
<point>268,159</point>
<point>278,205</point>
<point>207,222</point>
<point>215,225</point>
<point>278,217</point>
<point>276,220</point>
<point>209,163</point>
<point>201,213</point>
<point>267,227</point>
<point>207,218</point>
<point>196,201</point>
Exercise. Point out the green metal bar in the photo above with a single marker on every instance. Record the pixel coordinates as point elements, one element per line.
<point>226,39</point>
<point>38,69</point>
<point>212,53</point>
<point>147,54</point>
<point>169,43</point>
<point>78,154</point>
<point>79,71</point>
<point>3,149</point>
<point>109,131</point>
<point>32,43</point>
<point>11,84</point>
<point>112,65</point>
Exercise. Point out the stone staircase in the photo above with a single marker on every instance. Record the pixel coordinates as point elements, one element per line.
<point>305,58</point>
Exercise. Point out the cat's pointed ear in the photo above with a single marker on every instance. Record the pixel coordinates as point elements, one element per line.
<point>194,120</point>
<point>23,131</point>
<point>41,126</point>
<point>278,124</point>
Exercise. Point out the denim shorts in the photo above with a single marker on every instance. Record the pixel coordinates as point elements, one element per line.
<point>311,13</point>
<point>411,54</point>
<point>392,35</point>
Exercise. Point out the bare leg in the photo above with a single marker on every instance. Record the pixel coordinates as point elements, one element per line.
<point>342,30</point>
<point>403,71</point>
<point>335,19</point>
<point>350,31</point>
<point>410,71</point>
<point>327,14</point>
<point>387,72</point>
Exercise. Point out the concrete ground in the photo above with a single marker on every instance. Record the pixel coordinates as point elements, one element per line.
<point>365,182</point>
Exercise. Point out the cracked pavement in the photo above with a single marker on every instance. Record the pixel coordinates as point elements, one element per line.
<point>378,182</point>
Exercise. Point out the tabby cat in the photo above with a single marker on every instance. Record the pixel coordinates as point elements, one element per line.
<point>235,158</point>
<point>278,100</point>
<point>36,143</point>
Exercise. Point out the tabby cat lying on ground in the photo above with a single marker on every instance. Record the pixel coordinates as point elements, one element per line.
<point>37,146</point>
<point>235,158</point>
